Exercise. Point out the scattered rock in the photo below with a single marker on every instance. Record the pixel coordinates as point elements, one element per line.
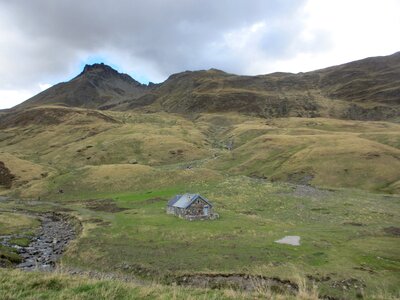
<point>235,281</point>
<point>347,284</point>
<point>133,161</point>
<point>322,278</point>
<point>301,177</point>
<point>2,198</point>
<point>392,230</point>
<point>307,191</point>
<point>293,240</point>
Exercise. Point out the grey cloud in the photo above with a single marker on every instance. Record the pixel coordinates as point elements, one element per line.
<point>170,36</point>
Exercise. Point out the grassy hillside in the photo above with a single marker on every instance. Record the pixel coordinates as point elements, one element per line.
<point>323,152</point>
<point>371,78</point>
<point>80,146</point>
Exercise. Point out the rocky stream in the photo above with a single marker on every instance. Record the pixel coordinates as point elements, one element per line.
<point>46,247</point>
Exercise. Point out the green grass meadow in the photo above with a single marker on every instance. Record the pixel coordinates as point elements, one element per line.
<point>342,235</point>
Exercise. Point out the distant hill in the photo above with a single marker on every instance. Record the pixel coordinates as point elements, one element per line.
<point>367,89</point>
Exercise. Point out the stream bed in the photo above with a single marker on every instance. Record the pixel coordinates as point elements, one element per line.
<point>46,247</point>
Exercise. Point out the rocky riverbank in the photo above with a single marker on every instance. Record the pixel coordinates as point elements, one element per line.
<point>47,246</point>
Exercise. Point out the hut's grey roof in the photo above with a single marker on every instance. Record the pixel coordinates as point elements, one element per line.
<point>184,201</point>
<point>173,200</point>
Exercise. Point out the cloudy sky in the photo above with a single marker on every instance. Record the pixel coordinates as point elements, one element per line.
<point>43,42</point>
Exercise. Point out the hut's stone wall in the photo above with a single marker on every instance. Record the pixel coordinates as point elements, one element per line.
<point>197,208</point>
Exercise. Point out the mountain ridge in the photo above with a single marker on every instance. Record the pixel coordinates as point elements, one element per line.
<point>366,89</point>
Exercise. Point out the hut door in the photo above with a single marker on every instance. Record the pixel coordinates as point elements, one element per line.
<point>205,210</point>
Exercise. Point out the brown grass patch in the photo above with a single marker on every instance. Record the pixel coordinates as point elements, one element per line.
<point>104,205</point>
<point>392,230</point>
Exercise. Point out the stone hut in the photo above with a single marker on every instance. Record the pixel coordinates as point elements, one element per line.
<point>191,207</point>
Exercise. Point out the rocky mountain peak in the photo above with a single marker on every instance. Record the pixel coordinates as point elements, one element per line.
<point>105,71</point>
<point>98,67</point>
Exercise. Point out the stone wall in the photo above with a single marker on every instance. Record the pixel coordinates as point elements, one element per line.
<point>194,212</point>
<point>197,208</point>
